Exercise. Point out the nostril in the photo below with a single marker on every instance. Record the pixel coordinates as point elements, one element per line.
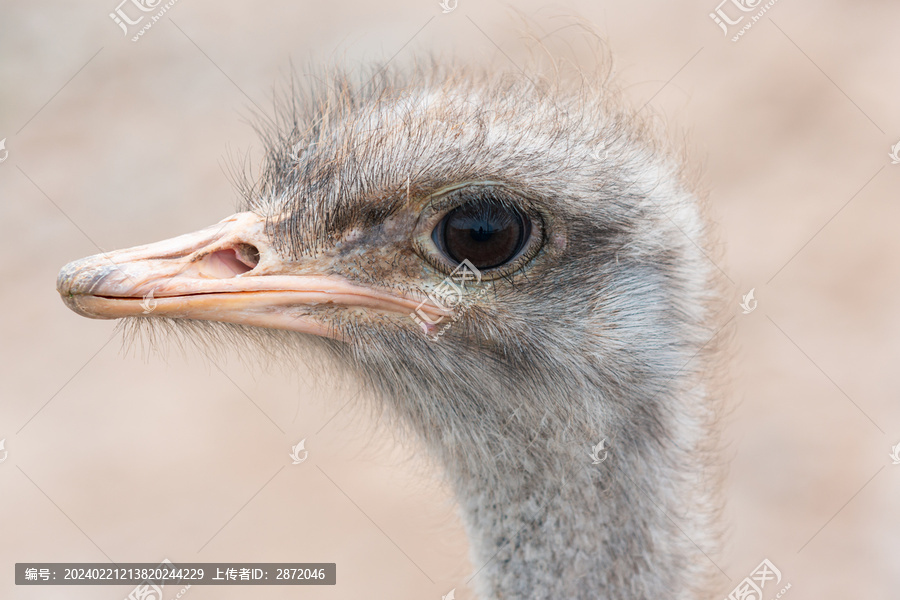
<point>247,254</point>
<point>229,262</point>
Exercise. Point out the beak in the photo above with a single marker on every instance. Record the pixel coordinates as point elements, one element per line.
<point>228,273</point>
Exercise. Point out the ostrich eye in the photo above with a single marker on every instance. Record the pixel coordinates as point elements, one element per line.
<point>487,233</point>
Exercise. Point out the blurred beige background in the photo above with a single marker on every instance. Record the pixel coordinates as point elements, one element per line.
<point>138,458</point>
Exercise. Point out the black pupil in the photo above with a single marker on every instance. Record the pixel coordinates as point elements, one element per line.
<point>486,233</point>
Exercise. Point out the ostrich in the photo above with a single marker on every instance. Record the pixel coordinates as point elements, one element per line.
<point>515,268</point>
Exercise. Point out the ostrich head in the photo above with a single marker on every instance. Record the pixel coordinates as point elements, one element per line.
<point>514,269</point>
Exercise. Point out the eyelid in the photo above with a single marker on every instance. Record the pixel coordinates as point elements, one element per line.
<point>447,198</point>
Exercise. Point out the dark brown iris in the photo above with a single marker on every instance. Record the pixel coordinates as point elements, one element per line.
<point>487,233</point>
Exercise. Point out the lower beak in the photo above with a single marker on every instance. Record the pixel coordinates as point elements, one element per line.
<point>228,273</point>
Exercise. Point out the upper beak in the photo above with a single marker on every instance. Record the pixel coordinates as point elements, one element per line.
<point>229,273</point>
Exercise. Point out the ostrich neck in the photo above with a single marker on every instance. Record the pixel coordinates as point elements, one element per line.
<point>548,523</point>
